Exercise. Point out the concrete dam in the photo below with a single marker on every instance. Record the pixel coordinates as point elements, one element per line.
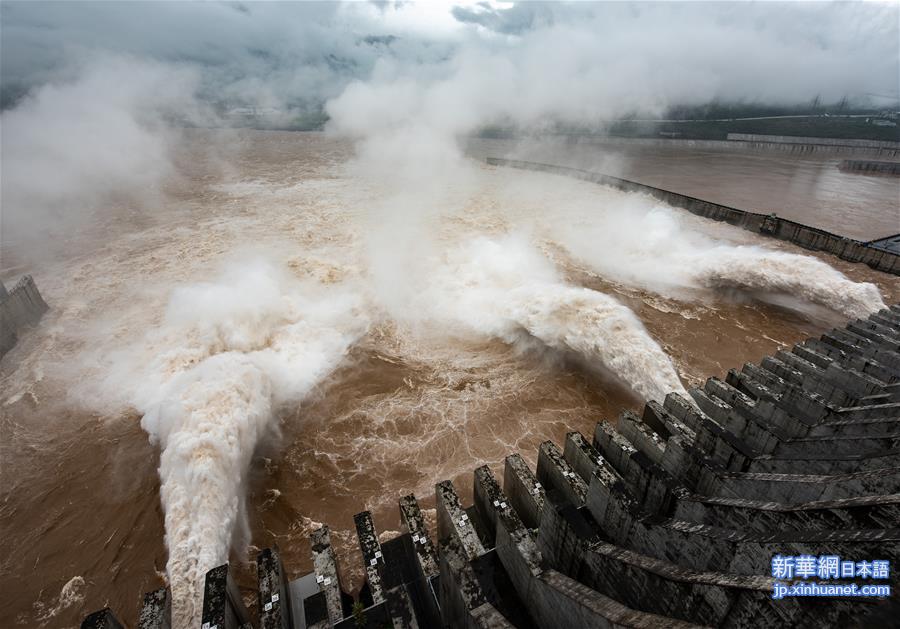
<point>871,167</point>
<point>19,307</point>
<point>671,519</point>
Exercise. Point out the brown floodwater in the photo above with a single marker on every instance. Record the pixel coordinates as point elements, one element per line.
<point>413,402</point>
<point>807,188</point>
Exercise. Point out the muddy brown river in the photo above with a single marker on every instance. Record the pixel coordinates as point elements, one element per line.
<point>397,349</point>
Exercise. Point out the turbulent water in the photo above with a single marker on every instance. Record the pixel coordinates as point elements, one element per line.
<point>228,353</point>
<point>272,344</point>
<point>505,288</point>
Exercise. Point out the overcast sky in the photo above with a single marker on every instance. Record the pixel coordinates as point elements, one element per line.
<point>89,89</point>
<point>296,55</point>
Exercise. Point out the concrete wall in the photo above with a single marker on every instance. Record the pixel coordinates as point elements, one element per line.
<point>21,306</point>
<point>870,167</point>
<point>770,225</point>
<point>790,139</point>
<point>818,146</point>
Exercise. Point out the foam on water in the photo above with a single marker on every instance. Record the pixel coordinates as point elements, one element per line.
<point>504,287</point>
<point>228,354</point>
<point>631,240</point>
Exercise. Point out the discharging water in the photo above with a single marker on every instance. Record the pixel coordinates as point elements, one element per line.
<point>280,341</point>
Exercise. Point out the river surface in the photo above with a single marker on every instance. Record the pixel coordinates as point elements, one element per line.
<point>434,380</point>
<point>806,188</point>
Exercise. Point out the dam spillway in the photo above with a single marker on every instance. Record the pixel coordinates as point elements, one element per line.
<point>672,520</point>
<point>364,419</point>
<point>20,307</point>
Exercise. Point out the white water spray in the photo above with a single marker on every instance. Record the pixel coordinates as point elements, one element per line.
<point>228,355</point>
<point>805,277</point>
<point>504,287</point>
<point>651,246</point>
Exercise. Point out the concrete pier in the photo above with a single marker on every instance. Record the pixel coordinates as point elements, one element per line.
<point>19,307</point>
<point>671,520</point>
<point>156,613</point>
<point>274,596</point>
<point>223,606</point>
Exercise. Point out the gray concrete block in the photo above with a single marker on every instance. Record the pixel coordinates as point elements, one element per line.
<point>453,521</point>
<point>414,521</point>
<point>327,576</point>
<point>372,556</point>
<point>556,475</point>
<point>223,606</point>
<point>525,492</point>
<point>156,610</point>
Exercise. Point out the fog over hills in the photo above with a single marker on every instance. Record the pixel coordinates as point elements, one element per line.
<point>90,91</point>
<point>575,60</point>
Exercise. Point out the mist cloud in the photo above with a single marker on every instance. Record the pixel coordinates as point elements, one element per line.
<point>619,58</point>
<point>290,55</point>
<point>295,55</point>
<point>70,145</point>
<point>91,90</point>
